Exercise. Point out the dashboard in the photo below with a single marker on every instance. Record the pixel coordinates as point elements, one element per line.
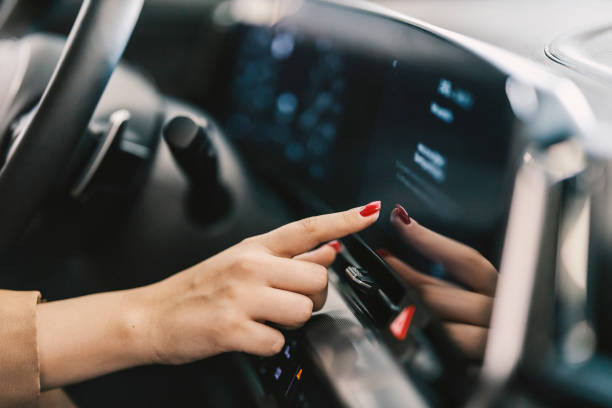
<point>328,105</point>
<point>339,105</point>
<point>401,116</point>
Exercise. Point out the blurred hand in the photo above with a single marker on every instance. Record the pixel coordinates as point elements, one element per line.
<point>224,303</point>
<point>465,313</point>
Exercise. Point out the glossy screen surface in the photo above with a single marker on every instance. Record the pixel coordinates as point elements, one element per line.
<point>354,107</point>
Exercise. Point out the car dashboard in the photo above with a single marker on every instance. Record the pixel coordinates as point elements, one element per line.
<point>338,103</point>
<point>315,106</point>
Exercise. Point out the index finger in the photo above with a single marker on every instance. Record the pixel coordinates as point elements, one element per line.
<point>303,235</point>
<point>464,263</point>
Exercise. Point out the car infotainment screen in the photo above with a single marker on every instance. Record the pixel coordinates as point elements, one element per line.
<point>384,111</point>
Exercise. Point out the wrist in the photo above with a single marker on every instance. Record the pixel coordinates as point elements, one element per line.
<point>93,335</point>
<point>134,326</point>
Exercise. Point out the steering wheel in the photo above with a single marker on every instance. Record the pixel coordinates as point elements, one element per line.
<point>94,47</point>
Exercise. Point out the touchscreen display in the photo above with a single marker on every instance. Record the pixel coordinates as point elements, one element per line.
<point>371,110</point>
<point>288,95</point>
<point>441,147</point>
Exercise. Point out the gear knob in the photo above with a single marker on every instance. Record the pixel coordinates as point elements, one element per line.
<point>194,151</point>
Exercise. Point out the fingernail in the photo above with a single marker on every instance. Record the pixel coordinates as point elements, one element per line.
<point>370,209</point>
<point>382,252</point>
<point>337,246</point>
<point>402,214</point>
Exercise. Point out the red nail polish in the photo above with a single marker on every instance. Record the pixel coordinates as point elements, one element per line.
<point>337,246</point>
<point>382,252</point>
<point>370,209</point>
<point>402,214</point>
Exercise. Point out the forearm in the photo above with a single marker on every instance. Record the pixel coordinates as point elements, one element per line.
<point>89,336</point>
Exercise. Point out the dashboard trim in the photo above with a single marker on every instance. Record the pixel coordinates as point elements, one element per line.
<point>522,69</point>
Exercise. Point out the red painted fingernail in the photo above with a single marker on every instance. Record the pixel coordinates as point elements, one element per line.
<point>337,246</point>
<point>382,252</point>
<point>370,209</point>
<point>402,214</point>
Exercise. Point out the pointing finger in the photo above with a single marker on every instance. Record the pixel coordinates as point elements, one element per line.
<point>301,236</point>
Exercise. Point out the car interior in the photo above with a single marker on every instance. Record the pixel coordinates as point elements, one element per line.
<point>138,138</point>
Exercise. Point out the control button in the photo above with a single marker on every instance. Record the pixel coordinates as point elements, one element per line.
<point>277,373</point>
<point>400,325</point>
<point>360,277</point>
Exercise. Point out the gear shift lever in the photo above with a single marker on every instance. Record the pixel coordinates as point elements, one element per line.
<point>196,155</point>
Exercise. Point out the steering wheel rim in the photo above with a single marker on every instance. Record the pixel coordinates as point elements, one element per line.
<point>93,49</point>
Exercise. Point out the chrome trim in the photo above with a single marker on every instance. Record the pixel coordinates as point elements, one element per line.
<point>533,199</point>
<point>570,96</point>
<point>516,279</point>
<point>117,123</point>
<point>567,51</point>
<point>352,272</point>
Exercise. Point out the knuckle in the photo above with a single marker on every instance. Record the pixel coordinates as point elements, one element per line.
<point>233,322</point>
<point>221,341</point>
<point>319,300</point>
<point>486,272</point>
<point>250,240</point>
<point>231,292</point>
<point>348,218</point>
<point>255,242</point>
<point>428,293</point>
<point>245,262</point>
<point>193,281</point>
<point>309,225</point>
<point>475,257</point>
<point>487,267</point>
<point>304,310</point>
<point>320,277</point>
<point>274,343</point>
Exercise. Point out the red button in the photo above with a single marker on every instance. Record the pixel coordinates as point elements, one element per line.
<point>400,325</point>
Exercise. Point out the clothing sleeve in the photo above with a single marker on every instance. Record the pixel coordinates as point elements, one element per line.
<point>19,370</point>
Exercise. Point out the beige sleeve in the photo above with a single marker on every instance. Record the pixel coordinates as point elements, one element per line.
<point>19,371</point>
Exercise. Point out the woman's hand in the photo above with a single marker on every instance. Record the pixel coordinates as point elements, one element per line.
<point>465,313</point>
<point>224,303</point>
